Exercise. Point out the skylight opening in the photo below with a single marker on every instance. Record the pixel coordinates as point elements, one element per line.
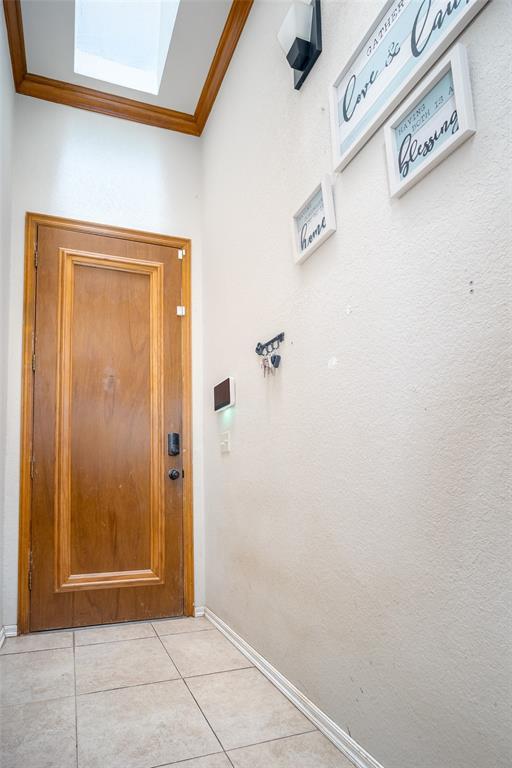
<point>124,42</point>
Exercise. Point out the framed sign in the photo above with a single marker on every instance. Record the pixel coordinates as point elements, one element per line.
<point>315,221</point>
<point>436,119</point>
<point>407,37</point>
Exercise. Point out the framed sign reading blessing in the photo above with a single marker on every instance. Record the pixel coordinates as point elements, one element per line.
<point>315,221</point>
<point>407,37</point>
<point>436,119</point>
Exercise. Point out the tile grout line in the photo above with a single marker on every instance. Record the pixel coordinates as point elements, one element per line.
<point>76,703</point>
<point>101,642</point>
<point>125,687</point>
<point>131,639</point>
<point>276,738</point>
<point>219,672</point>
<point>37,650</point>
<point>135,685</point>
<point>187,760</point>
<point>113,642</point>
<point>211,726</point>
<point>152,683</point>
<point>181,677</point>
<point>169,655</point>
<point>201,674</point>
<point>265,741</point>
<point>35,701</point>
<point>254,744</point>
<point>194,698</point>
<point>155,682</point>
<point>188,632</point>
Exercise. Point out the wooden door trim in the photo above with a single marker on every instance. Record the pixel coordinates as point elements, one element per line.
<point>32,222</point>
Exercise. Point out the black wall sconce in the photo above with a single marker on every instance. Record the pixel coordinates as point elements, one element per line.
<point>300,37</point>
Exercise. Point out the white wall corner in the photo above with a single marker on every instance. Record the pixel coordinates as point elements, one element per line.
<point>9,630</point>
<point>345,743</point>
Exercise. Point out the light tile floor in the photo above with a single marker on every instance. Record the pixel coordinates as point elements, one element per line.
<point>172,692</point>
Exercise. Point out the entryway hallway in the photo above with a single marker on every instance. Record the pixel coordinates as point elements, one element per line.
<point>171,692</point>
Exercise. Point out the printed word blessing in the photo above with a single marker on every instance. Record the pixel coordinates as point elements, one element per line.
<point>411,149</point>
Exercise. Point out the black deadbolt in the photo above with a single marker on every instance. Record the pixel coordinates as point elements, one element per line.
<point>173,443</point>
<point>174,474</point>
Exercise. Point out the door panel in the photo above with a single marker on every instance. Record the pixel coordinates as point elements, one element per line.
<point>107,523</point>
<point>109,396</point>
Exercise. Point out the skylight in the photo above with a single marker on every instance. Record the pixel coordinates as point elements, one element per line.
<point>124,42</point>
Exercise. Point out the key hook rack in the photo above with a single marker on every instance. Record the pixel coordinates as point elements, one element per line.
<point>267,347</point>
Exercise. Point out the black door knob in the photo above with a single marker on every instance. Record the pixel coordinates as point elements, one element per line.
<point>174,474</point>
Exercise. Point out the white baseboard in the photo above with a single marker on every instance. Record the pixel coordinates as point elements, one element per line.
<point>345,743</point>
<point>8,630</point>
<point>199,610</point>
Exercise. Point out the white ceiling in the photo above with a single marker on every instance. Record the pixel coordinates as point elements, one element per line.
<point>49,41</point>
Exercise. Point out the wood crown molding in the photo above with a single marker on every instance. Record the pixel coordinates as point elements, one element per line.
<point>233,28</point>
<point>60,92</point>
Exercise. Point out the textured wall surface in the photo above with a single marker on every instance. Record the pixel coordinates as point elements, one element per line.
<point>6,122</point>
<point>358,534</point>
<point>81,165</point>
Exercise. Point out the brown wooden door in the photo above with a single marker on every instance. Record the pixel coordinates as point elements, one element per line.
<point>107,522</point>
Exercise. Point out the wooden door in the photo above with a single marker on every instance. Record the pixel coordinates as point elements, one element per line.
<point>106,519</point>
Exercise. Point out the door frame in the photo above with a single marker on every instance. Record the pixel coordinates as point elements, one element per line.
<point>32,222</point>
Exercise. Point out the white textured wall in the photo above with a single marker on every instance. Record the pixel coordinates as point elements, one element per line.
<point>86,166</point>
<point>358,535</point>
<point>6,121</point>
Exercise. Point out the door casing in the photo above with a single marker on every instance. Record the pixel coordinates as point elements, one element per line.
<point>32,222</point>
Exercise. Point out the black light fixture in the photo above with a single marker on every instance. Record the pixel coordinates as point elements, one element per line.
<point>300,37</point>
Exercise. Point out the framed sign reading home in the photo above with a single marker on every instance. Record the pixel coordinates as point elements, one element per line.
<point>407,37</point>
<point>315,221</point>
<point>436,119</point>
